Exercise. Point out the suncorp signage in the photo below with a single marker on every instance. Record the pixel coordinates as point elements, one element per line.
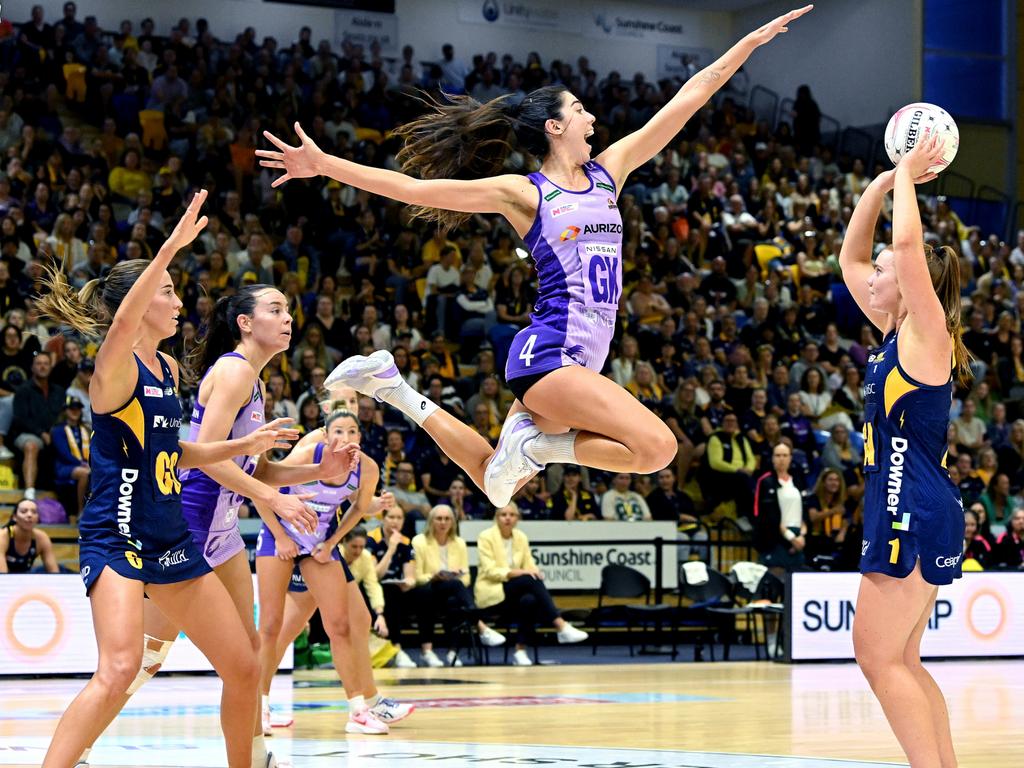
<point>981,614</point>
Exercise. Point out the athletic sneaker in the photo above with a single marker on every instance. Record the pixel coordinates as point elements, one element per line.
<point>365,722</point>
<point>521,659</point>
<point>390,711</point>
<point>491,638</point>
<point>431,659</point>
<point>271,760</point>
<point>281,721</point>
<point>368,375</point>
<point>570,634</point>
<point>404,661</point>
<point>510,464</point>
<point>453,659</point>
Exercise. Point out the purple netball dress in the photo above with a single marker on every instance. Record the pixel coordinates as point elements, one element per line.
<point>576,243</point>
<point>210,510</point>
<point>325,502</point>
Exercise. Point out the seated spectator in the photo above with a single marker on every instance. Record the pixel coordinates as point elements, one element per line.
<point>128,179</point>
<point>624,364</point>
<point>976,547</point>
<point>364,570</point>
<point>15,363</point>
<point>532,505</point>
<point>999,501</point>
<point>645,388</point>
<point>37,406</point>
<point>780,533</point>
<point>797,426</point>
<point>826,515</point>
<point>70,440</point>
<point>1009,549</point>
<point>21,542</point>
<point>668,503</point>
<point>442,566</point>
<point>816,402</point>
<point>463,506</point>
<point>396,573</point>
<point>621,503</point>
<point>728,469</point>
<point>572,501</point>
<point>842,455</point>
<point>971,486</point>
<point>412,501</point>
<point>508,579</point>
<point>970,430</point>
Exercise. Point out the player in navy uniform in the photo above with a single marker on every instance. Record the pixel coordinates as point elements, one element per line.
<point>566,411</point>
<point>913,514</point>
<point>133,537</point>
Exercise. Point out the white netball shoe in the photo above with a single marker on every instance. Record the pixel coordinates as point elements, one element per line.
<point>368,374</point>
<point>510,464</point>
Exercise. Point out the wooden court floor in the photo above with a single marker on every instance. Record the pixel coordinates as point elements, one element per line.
<point>711,715</point>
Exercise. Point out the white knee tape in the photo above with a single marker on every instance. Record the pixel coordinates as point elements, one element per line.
<point>154,653</point>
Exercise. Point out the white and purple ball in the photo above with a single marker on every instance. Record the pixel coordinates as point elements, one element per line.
<point>911,122</point>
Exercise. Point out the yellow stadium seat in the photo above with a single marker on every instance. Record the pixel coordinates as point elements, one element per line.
<point>765,252</point>
<point>74,76</point>
<point>154,132</point>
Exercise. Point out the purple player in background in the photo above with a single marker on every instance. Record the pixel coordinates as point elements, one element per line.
<point>566,213</point>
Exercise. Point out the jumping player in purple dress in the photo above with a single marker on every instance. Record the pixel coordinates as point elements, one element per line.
<point>566,213</point>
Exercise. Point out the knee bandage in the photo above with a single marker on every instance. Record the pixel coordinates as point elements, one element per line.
<point>154,652</point>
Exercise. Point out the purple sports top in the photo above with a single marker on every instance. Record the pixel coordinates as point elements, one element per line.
<point>209,508</point>
<point>576,243</point>
<point>325,503</point>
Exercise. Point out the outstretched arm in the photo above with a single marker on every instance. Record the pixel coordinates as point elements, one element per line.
<point>508,194</point>
<point>858,244</point>
<point>632,151</point>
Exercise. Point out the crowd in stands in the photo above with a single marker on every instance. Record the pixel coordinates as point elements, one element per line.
<point>735,325</point>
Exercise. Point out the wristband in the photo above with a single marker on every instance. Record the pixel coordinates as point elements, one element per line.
<point>789,535</point>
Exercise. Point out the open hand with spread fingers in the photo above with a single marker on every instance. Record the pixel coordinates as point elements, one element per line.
<point>299,162</point>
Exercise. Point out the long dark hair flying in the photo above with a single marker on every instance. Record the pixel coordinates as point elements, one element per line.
<point>464,139</point>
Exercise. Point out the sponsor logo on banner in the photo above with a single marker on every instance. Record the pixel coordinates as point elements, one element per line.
<point>535,14</point>
<point>980,614</point>
<point>608,23</point>
<point>365,27</point>
<point>152,391</point>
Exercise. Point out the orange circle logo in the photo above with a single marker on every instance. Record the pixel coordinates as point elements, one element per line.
<point>58,630</point>
<point>986,614</point>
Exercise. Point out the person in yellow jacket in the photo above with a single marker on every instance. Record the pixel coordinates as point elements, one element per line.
<point>442,566</point>
<point>508,577</point>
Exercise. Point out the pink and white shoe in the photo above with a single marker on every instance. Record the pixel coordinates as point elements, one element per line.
<point>365,722</point>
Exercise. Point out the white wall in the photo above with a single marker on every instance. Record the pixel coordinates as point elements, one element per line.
<point>861,58</point>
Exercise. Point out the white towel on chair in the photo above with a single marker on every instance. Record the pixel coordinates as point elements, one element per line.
<point>695,572</point>
<point>749,574</point>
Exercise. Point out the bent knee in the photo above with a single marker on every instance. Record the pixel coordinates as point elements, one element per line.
<point>117,672</point>
<point>338,628</point>
<point>656,451</point>
<point>240,666</point>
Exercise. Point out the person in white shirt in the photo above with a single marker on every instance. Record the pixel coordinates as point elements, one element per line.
<point>442,283</point>
<point>620,503</point>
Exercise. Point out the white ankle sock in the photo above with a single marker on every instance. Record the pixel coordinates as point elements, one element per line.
<point>259,751</point>
<point>410,402</point>
<point>374,700</point>
<point>357,703</point>
<point>553,449</point>
<point>85,755</point>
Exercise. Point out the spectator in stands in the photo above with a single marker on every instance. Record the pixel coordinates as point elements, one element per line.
<point>970,430</point>
<point>15,363</point>
<point>572,501</point>
<point>806,121</point>
<point>780,533</point>
<point>70,440</point>
<point>463,507</point>
<point>999,501</point>
<point>509,581</point>
<point>530,502</point>
<point>728,468</point>
<point>21,541</point>
<point>1009,549</point>
<point>363,567</point>
<point>412,501</point>
<point>37,405</point>
<point>826,517</point>
<point>442,566</point>
<point>396,573</point>
<point>976,547</point>
<point>621,503</point>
